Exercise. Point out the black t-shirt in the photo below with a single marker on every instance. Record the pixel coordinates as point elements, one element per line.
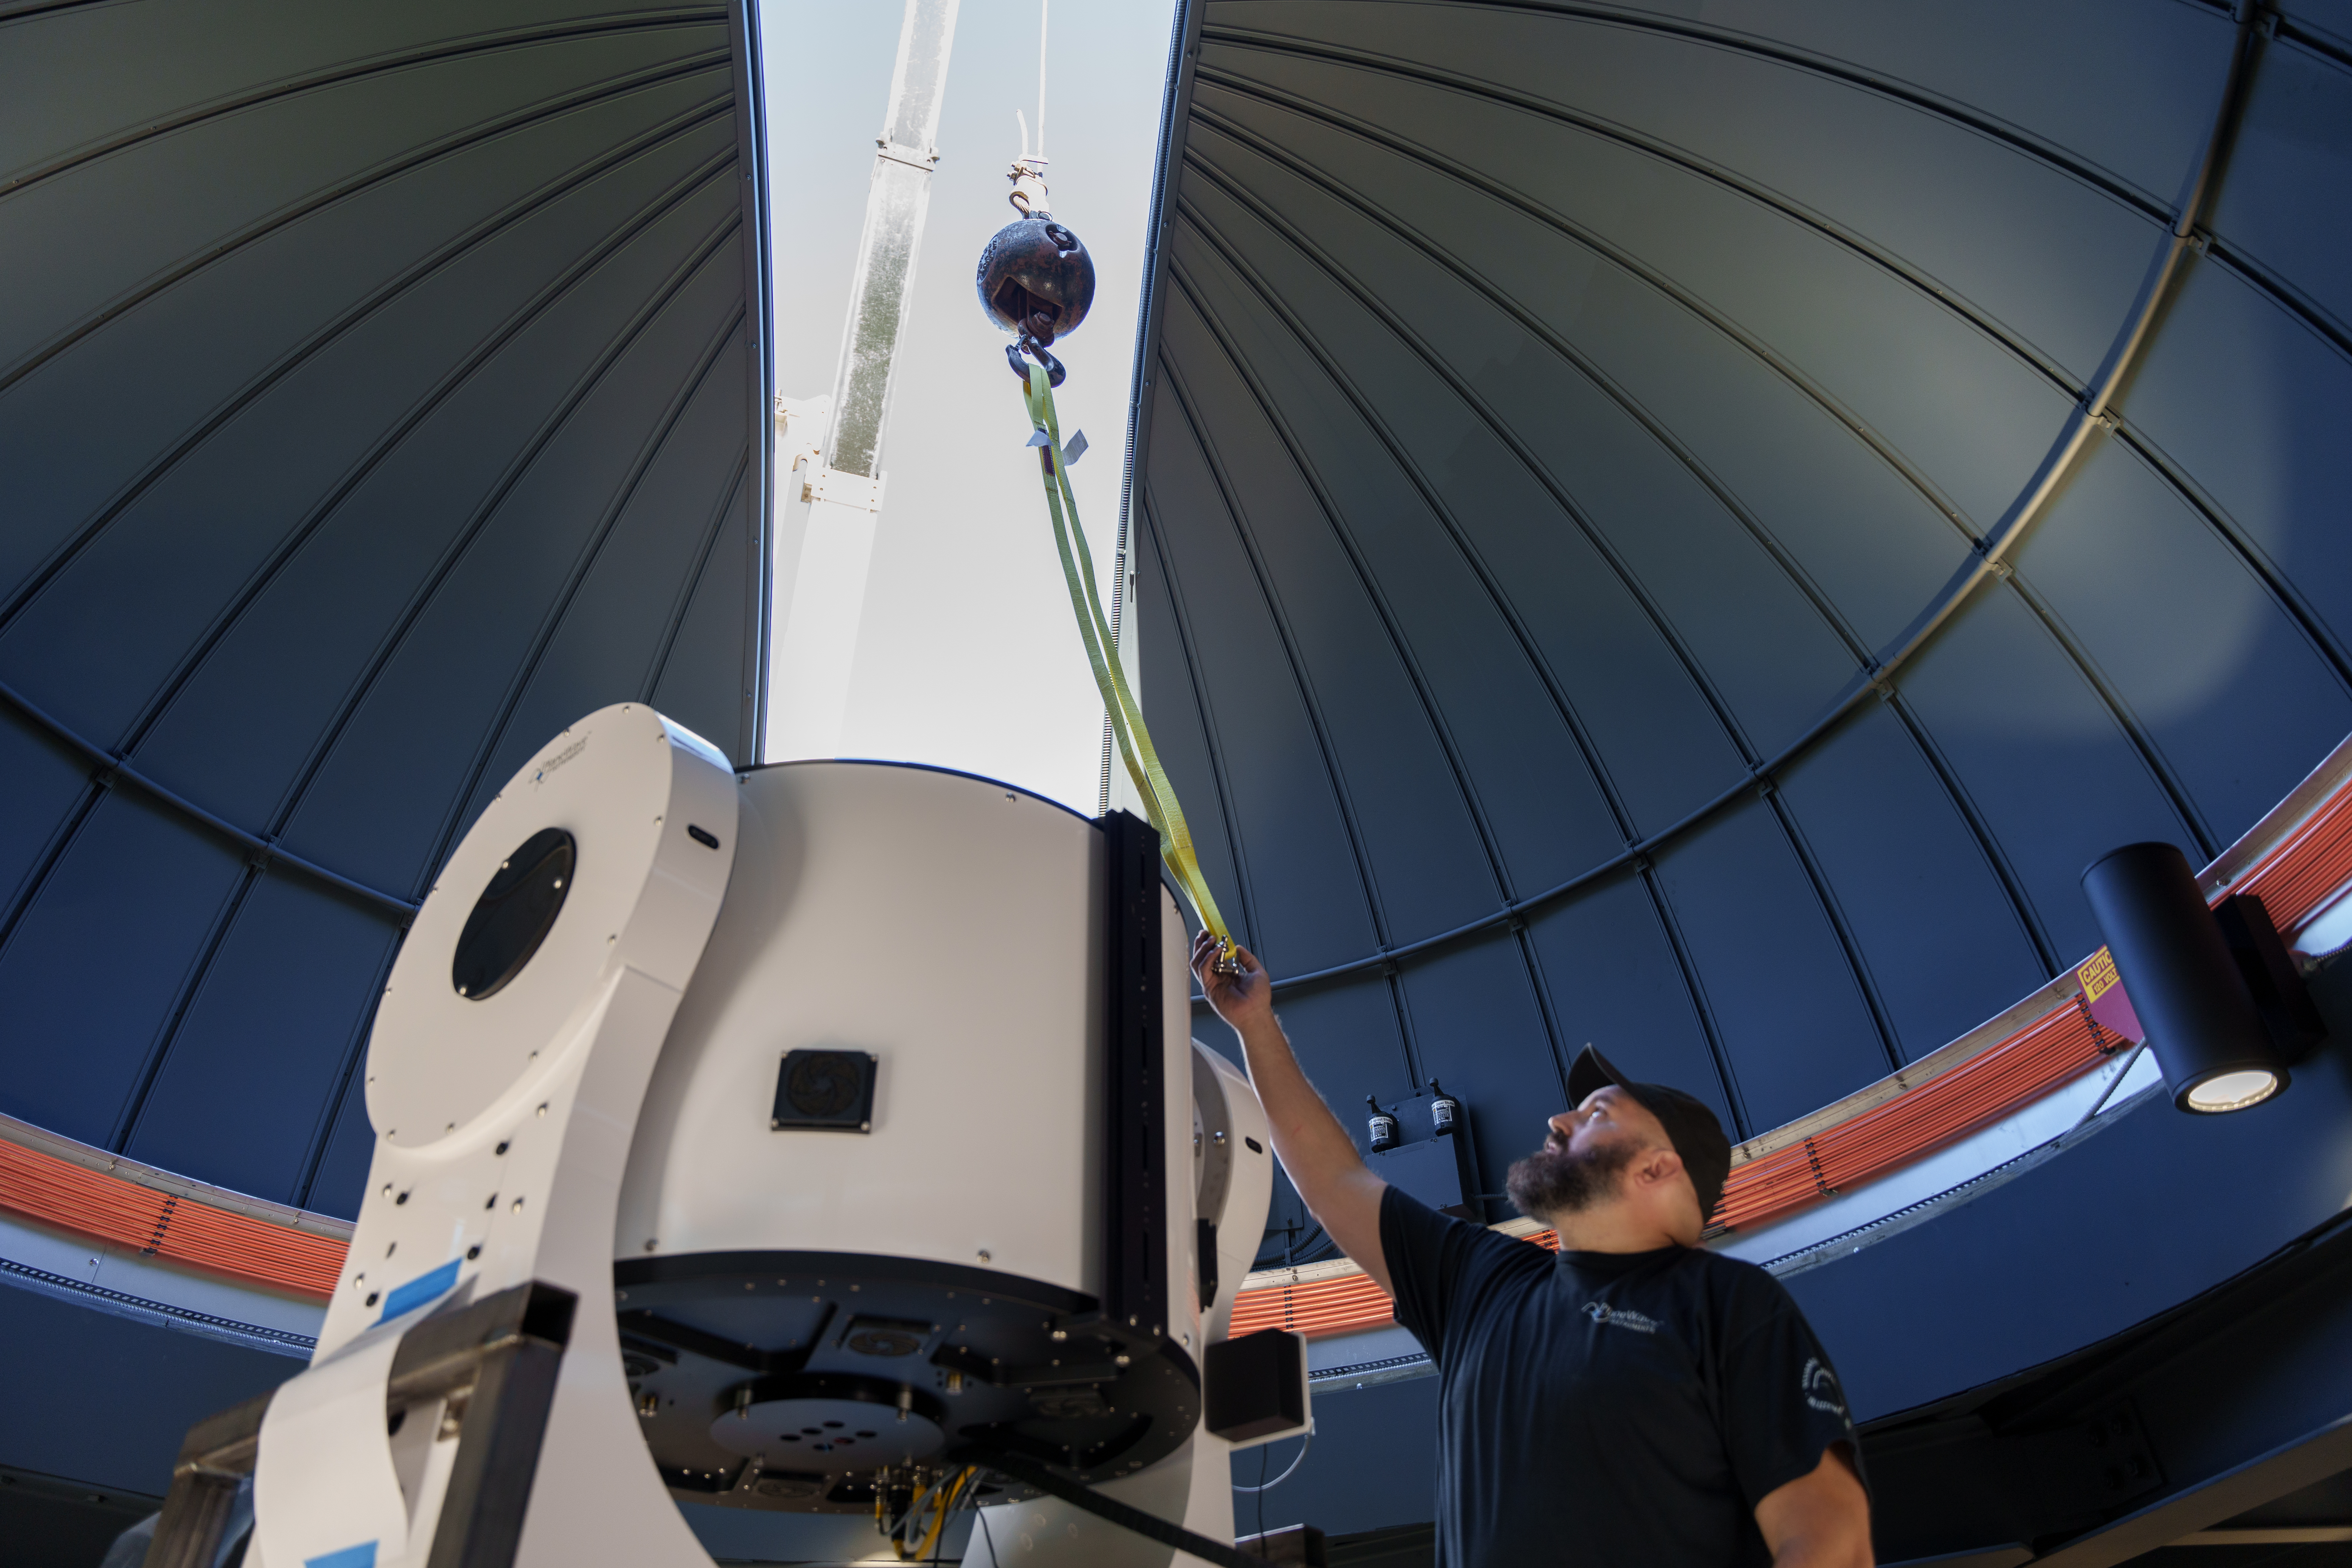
<point>1617,1410</point>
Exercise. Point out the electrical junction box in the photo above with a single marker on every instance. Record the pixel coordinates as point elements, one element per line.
<point>1256,1388</point>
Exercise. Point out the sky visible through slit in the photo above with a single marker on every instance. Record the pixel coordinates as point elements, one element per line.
<point>968,657</point>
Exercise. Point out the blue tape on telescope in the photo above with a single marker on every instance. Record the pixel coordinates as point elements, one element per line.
<point>359,1557</point>
<point>409,1297</point>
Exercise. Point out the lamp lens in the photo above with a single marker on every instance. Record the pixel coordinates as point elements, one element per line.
<point>2234,1090</point>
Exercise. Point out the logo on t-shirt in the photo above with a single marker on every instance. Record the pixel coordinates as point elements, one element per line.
<point>1620,1317</point>
<point>1820,1385</point>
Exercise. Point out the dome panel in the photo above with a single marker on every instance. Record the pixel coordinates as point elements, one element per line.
<point>83,1048</point>
<point>1794,1023</point>
<point>384,390</point>
<point>278,1020</point>
<point>1694,366</point>
<point>1931,917</point>
<point>2240,406</point>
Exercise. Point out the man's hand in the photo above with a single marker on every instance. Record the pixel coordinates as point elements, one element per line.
<point>1314,1149</point>
<point>1819,1521</point>
<point>1243,999</point>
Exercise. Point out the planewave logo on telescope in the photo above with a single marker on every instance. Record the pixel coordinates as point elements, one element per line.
<point>1620,1317</point>
<point>557,761</point>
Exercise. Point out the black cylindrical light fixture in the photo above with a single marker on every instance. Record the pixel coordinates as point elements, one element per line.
<point>2200,1020</point>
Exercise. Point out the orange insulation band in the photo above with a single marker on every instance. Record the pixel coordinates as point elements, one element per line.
<point>159,1225</point>
<point>2290,881</point>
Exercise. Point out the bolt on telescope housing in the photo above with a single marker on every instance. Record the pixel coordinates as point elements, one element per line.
<point>2185,983</point>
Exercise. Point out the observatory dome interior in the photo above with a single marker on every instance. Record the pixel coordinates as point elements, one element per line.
<point>1680,527</point>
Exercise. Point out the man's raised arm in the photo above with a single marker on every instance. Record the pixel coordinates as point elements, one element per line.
<point>1316,1150</point>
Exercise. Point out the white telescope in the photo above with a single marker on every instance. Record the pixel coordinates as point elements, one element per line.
<point>805,1139</point>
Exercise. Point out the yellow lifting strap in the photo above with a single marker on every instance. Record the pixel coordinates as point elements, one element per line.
<point>1135,747</point>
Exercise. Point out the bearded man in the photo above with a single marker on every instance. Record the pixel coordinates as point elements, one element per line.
<point>1635,1401</point>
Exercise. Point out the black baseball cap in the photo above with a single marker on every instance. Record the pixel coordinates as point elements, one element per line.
<point>1692,1128</point>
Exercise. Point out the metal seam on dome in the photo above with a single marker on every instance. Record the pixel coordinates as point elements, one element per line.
<point>1620,813</point>
<point>2291,601</point>
<point>344,71</point>
<point>1212,749</point>
<point>2073,437</point>
<point>2020,905</point>
<point>62,557</point>
<point>486,511</point>
<point>388,439</point>
<point>1874,1002</point>
<point>2151,756</point>
<point>349,1072</point>
<point>2216,251</point>
<point>1662,625</point>
<point>317,200</point>
<point>712,531</point>
<point>1433,710</point>
<point>663,426</point>
<point>114,768</point>
<point>1991,127</point>
<point>1174,381</point>
<point>661,205</point>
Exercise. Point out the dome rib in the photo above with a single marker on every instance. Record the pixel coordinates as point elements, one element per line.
<point>348,71</point>
<point>467,801</point>
<point>1212,752</point>
<point>389,440</point>
<point>1959,304</point>
<point>1367,886</point>
<point>1431,711</point>
<point>711,245</point>
<point>461,806</point>
<point>1865,985</point>
<point>1824,306</point>
<point>391,169</point>
<point>2152,757</point>
<point>1860,77</point>
<point>379,383</point>
<point>1537,663</point>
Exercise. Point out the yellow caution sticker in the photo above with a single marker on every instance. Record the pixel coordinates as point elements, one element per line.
<point>2097,973</point>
